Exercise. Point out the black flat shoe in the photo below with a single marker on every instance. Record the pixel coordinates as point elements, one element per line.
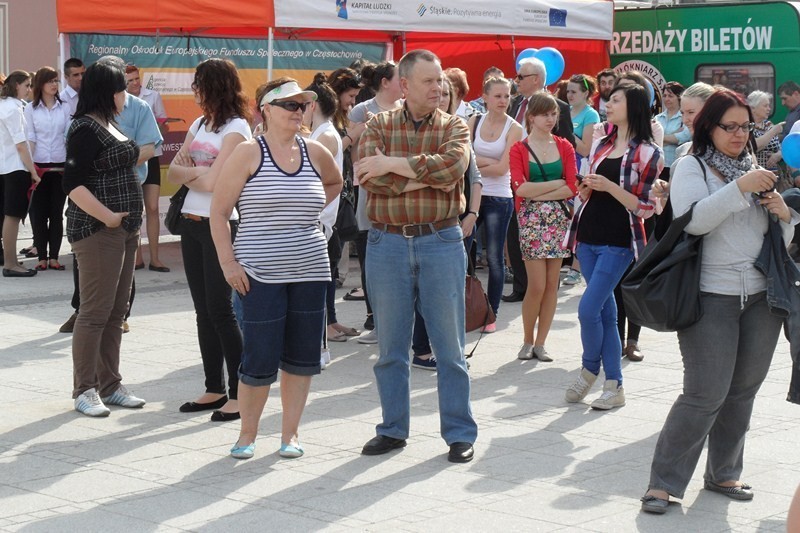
<point>138,266</point>
<point>219,416</point>
<point>28,273</point>
<point>382,444</point>
<point>655,505</point>
<point>461,452</point>
<point>743,493</point>
<point>194,407</point>
<point>157,268</point>
<point>513,297</point>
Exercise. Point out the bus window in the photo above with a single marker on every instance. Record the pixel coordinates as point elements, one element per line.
<point>740,77</point>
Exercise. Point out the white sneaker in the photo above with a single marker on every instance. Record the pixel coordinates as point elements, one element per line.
<point>368,338</point>
<point>123,398</point>
<point>613,396</point>
<point>580,388</point>
<point>541,354</point>
<point>572,278</point>
<point>526,352</point>
<point>90,404</point>
<point>324,359</point>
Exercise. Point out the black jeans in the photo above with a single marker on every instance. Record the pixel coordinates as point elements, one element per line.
<point>218,333</point>
<point>47,215</point>
<point>361,250</point>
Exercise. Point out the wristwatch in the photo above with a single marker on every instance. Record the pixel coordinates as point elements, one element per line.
<point>473,213</point>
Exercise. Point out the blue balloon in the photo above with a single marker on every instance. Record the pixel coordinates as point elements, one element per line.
<point>525,54</point>
<point>553,62</point>
<point>652,89</point>
<point>790,148</point>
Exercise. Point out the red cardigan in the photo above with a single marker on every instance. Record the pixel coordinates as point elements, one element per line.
<point>518,159</point>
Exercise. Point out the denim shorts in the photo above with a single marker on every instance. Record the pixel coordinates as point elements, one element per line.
<point>282,326</point>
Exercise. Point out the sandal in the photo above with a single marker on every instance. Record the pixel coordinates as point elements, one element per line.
<point>354,295</point>
<point>41,266</point>
<point>350,332</point>
<point>338,337</point>
<point>55,265</point>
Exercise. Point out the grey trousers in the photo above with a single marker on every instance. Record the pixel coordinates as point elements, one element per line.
<point>726,356</point>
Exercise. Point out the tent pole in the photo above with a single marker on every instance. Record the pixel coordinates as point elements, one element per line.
<point>62,52</point>
<point>513,48</point>
<point>404,42</point>
<point>269,56</point>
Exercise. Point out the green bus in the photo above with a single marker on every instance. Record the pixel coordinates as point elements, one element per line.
<point>741,46</point>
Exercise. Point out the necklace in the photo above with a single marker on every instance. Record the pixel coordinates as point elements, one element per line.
<point>275,145</point>
<point>543,147</point>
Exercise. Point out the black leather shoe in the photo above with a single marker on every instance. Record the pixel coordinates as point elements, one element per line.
<point>194,407</point>
<point>382,444</point>
<point>461,452</point>
<point>513,297</point>
<point>219,416</point>
<point>27,273</point>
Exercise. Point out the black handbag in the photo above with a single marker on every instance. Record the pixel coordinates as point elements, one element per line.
<point>662,291</point>
<point>346,224</point>
<point>172,220</point>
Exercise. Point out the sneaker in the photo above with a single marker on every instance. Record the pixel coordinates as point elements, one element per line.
<point>324,359</point>
<point>565,269</point>
<point>526,352</point>
<point>69,325</point>
<point>368,338</point>
<point>613,396</point>
<point>425,364</point>
<point>123,398</point>
<point>90,404</point>
<point>125,327</point>
<point>489,328</point>
<point>541,354</point>
<point>573,277</point>
<point>509,276</point>
<point>580,388</point>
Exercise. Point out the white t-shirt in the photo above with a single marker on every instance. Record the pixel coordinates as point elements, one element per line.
<point>328,215</point>
<point>204,150</point>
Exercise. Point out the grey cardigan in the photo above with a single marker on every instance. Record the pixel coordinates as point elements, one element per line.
<point>733,225</point>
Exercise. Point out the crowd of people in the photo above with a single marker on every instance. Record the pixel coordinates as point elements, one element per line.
<point>393,158</point>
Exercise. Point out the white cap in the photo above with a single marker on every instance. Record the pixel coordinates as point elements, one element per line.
<point>287,90</point>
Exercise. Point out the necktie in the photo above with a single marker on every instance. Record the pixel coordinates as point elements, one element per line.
<point>521,112</point>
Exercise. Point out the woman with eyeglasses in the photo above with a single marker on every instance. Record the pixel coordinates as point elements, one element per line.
<point>278,265</point>
<point>580,90</point>
<point>17,171</point>
<point>727,353</point>
<point>607,233</point>
<point>47,118</point>
<point>198,165</point>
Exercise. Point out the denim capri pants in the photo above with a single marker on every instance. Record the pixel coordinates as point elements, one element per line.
<point>282,326</point>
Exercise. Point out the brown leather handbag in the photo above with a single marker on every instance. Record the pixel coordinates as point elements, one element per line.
<point>479,312</point>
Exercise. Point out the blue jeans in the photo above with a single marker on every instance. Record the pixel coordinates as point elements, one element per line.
<point>603,267</point>
<point>495,214</point>
<point>425,273</point>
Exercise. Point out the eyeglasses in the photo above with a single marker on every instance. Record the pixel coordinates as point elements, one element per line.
<point>291,106</point>
<point>54,81</point>
<point>732,128</point>
<point>521,77</point>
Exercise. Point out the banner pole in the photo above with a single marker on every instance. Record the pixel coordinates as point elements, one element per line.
<point>269,56</point>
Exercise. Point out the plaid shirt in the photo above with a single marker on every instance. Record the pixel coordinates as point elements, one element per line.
<point>439,154</point>
<point>641,165</point>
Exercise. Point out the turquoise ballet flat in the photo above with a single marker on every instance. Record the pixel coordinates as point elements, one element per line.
<point>290,451</point>
<point>243,452</point>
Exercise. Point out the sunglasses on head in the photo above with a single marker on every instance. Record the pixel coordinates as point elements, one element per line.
<point>291,106</point>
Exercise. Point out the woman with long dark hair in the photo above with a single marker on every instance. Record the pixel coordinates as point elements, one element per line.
<point>607,233</point>
<point>209,142</point>
<point>103,221</point>
<point>17,170</point>
<point>47,118</point>
<point>727,353</point>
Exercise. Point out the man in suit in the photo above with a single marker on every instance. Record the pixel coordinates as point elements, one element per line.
<point>530,79</point>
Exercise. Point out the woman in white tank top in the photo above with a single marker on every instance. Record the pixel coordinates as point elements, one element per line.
<point>493,135</point>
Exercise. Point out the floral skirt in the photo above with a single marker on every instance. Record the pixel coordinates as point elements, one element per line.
<point>542,227</point>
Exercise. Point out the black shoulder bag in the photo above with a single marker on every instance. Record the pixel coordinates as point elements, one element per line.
<point>662,291</point>
<point>172,220</point>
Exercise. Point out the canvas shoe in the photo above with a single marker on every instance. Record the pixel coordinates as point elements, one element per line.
<point>90,404</point>
<point>324,359</point>
<point>526,352</point>
<point>541,354</point>
<point>123,398</point>
<point>613,396</point>
<point>580,388</point>
<point>572,278</point>
<point>425,364</point>
<point>368,338</point>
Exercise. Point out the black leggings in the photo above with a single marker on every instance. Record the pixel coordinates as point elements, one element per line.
<point>47,215</point>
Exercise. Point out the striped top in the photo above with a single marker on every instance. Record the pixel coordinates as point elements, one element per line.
<point>279,238</point>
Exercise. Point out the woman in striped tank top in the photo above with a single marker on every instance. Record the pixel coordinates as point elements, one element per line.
<point>278,264</point>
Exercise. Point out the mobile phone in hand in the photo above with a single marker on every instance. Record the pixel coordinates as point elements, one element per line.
<point>579,177</point>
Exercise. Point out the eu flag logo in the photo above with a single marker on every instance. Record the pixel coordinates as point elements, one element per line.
<point>558,17</point>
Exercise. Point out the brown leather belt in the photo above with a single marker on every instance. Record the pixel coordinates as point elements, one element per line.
<point>417,230</point>
<point>194,218</point>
